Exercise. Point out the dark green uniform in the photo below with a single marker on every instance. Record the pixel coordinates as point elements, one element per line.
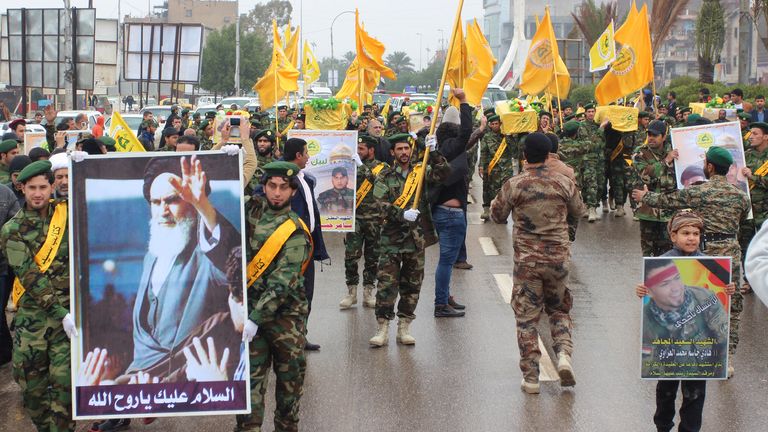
<point>336,200</point>
<point>758,192</point>
<point>594,167</point>
<point>5,174</point>
<point>278,305</point>
<point>652,171</point>
<point>41,349</point>
<point>363,241</point>
<point>502,171</point>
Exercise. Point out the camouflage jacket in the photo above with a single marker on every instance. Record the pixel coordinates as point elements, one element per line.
<point>590,132</point>
<point>540,200</point>
<point>722,205</point>
<point>369,208</point>
<point>282,124</point>
<point>256,178</point>
<point>5,174</point>
<point>396,232</point>
<point>489,144</point>
<point>21,238</point>
<point>633,140</point>
<point>280,289</point>
<point>205,142</point>
<point>758,186</point>
<point>335,200</point>
<point>573,151</point>
<point>652,171</point>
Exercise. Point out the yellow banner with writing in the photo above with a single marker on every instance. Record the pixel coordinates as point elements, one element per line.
<point>125,139</point>
<point>366,186</point>
<point>327,119</point>
<point>497,155</point>
<point>519,122</point>
<point>623,119</point>
<point>411,182</point>
<point>271,248</point>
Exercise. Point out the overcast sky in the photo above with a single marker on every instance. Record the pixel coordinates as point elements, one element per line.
<point>394,22</point>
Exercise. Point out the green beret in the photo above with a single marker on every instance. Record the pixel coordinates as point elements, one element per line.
<point>266,133</point>
<point>589,106</point>
<point>571,126</point>
<point>761,125</point>
<point>8,145</point>
<point>569,117</point>
<point>282,107</point>
<point>643,114</point>
<point>398,138</point>
<point>489,112</point>
<point>719,156</point>
<point>196,115</point>
<point>367,139</point>
<point>745,116</point>
<point>692,119</point>
<point>280,169</point>
<point>108,142</point>
<point>684,110</point>
<point>210,114</point>
<point>185,111</point>
<point>493,118</point>
<point>254,121</point>
<point>34,169</point>
<point>400,120</point>
<point>544,113</point>
<point>203,124</point>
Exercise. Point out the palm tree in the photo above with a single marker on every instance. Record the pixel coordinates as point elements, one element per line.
<point>591,20</point>
<point>710,37</point>
<point>349,57</point>
<point>664,15</point>
<point>399,62</point>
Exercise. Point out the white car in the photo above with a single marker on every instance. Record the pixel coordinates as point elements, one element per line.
<point>160,112</point>
<point>132,120</point>
<point>240,101</point>
<point>92,116</point>
<point>30,127</point>
<point>202,109</point>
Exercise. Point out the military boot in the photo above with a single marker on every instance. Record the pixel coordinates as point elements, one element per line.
<point>350,299</point>
<point>565,370</point>
<point>592,215</point>
<point>530,387</point>
<point>369,298</point>
<point>611,204</point>
<point>486,213</point>
<point>605,206</point>
<point>619,212</point>
<point>404,332</point>
<point>382,334</point>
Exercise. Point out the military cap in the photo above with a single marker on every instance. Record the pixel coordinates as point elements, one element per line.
<point>8,145</point>
<point>571,126</point>
<point>719,156</point>
<point>19,163</point>
<point>489,112</point>
<point>369,140</point>
<point>643,114</point>
<point>302,117</point>
<point>684,110</point>
<point>657,127</point>
<point>400,120</point>
<point>282,107</point>
<point>744,116</point>
<point>196,115</point>
<point>367,106</point>
<point>185,111</point>
<point>692,119</point>
<point>10,136</point>
<point>760,125</point>
<point>280,169</point>
<point>544,113</point>
<point>34,169</point>
<point>204,124</point>
<point>493,118</point>
<point>210,114</point>
<point>589,106</point>
<point>108,142</point>
<point>398,138</point>
<point>254,121</point>
<point>266,133</point>
<point>569,117</point>
<point>147,123</point>
<point>170,131</point>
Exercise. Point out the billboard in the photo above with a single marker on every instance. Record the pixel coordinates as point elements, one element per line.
<point>161,52</point>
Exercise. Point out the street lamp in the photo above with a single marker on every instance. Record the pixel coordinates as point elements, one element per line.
<point>333,63</point>
<point>442,39</point>
<point>419,35</point>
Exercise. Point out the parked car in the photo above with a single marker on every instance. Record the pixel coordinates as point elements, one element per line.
<point>132,120</point>
<point>495,93</point>
<point>202,109</point>
<point>240,101</point>
<point>30,127</point>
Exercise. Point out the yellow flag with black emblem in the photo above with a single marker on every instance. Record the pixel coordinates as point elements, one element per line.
<point>603,52</point>
<point>480,64</point>
<point>540,65</point>
<point>125,139</point>
<point>280,77</point>
<point>311,68</point>
<point>370,52</point>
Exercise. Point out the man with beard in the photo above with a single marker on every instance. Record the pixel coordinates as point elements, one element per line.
<point>19,163</point>
<point>205,134</point>
<point>265,142</point>
<point>340,197</point>
<point>277,302</point>
<point>496,162</point>
<point>375,129</point>
<point>183,282</point>
<point>8,150</point>
<point>59,166</point>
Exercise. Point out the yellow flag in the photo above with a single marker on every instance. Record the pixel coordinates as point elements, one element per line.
<point>563,82</point>
<point>540,64</point>
<point>281,76</point>
<point>480,64</point>
<point>349,89</point>
<point>633,68</point>
<point>370,51</point>
<point>385,110</point>
<point>457,65</point>
<point>292,45</point>
<point>311,67</point>
<point>603,52</point>
<point>125,139</point>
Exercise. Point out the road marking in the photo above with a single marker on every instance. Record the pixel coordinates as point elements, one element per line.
<point>489,248</point>
<point>547,369</point>
<point>473,218</point>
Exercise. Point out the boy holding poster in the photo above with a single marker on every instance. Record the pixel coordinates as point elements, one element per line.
<point>685,230</point>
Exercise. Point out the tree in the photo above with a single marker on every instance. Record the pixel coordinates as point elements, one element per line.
<point>218,69</point>
<point>259,19</point>
<point>349,57</point>
<point>399,62</point>
<point>592,20</point>
<point>710,37</point>
<point>664,15</point>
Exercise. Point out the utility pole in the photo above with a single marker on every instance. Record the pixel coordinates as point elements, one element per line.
<point>237,49</point>
<point>119,56</point>
<point>68,60</point>
<point>745,42</point>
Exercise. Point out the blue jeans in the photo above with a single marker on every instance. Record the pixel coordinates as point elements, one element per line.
<point>463,251</point>
<point>451,229</point>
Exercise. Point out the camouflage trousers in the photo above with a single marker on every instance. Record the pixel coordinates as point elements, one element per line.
<point>472,160</point>
<point>732,249</point>
<point>654,238</point>
<point>41,367</point>
<point>592,174</point>
<point>400,273</point>
<point>492,185</point>
<point>617,181</point>
<point>747,231</point>
<point>537,286</point>
<point>280,344</point>
<point>362,242</point>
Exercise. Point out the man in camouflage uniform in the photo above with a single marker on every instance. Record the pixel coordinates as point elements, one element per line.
<point>394,118</point>
<point>402,238</point>
<point>265,144</point>
<point>616,170</point>
<point>654,167</point>
<point>205,134</point>
<point>723,207</point>
<point>43,324</point>
<point>594,167</point>
<point>363,241</point>
<point>277,305</point>
<point>340,198</point>
<point>744,121</point>
<point>283,120</point>
<point>540,200</point>
<point>8,150</point>
<point>632,141</point>
<point>756,170</point>
<point>494,176</point>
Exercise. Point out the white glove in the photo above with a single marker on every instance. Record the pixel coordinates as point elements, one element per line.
<point>78,156</point>
<point>249,330</point>
<point>411,215</point>
<point>356,158</point>
<point>431,142</point>
<point>413,135</point>
<point>69,323</point>
<point>231,149</point>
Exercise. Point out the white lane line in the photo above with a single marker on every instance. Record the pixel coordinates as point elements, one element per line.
<point>547,369</point>
<point>473,218</point>
<point>489,248</point>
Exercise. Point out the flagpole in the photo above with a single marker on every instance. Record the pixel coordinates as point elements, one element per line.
<point>277,124</point>
<point>433,124</point>
<point>360,76</point>
<point>554,70</point>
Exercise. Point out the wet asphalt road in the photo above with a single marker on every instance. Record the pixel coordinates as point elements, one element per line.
<point>463,373</point>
